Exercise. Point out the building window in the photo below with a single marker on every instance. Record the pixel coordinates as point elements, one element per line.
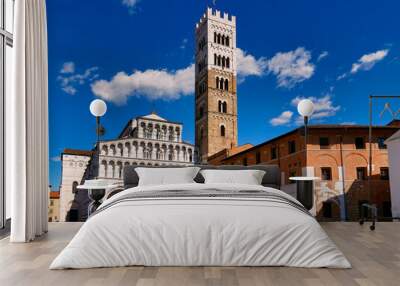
<point>215,37</point>
<point>226,85</point>
<point>219,106</point>
<point>326,173</point>
<point>244,162</point>
<point>381,143</point>
<point>258,158</point>
<point>224,107</point>
<point>361,173</point>
<point>222,130</point>
<point>359,142</point>
<point>273,153</point>
<point>327,209</point>
<point>292,146</point>
<point>323,142</point>
<point>384,173</point>
<point>228,63</point>
<point>227,41</point>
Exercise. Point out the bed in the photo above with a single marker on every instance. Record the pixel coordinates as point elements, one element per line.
<point>201,224</point>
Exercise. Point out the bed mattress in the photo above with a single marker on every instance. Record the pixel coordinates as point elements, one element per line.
<point>201,225</point>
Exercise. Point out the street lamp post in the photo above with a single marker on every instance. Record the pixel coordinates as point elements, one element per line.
<point>305,185</point>
<point>305,109</point>
<point>98,108</point>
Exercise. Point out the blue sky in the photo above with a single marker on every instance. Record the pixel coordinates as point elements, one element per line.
<point>139,54</point>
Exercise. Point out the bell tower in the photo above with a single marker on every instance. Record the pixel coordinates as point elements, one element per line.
<point>215,83</point>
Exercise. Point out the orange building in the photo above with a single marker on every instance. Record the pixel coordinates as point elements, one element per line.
<point>338,154</point>
<point>54,206</point>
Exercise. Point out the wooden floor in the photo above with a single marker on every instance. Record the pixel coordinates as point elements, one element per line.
<point>375,257</point>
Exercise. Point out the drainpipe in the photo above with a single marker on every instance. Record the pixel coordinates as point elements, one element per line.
<point>343,178</point>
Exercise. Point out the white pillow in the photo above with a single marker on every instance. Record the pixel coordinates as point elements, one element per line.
<point>247,177</point>
<point>166,176</point>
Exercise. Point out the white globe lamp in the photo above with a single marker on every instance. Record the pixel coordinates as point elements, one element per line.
<point>305,109</point>
<point>98,108</point>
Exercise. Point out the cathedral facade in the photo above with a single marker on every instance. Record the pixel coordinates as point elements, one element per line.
<point>145,141</point>
<point>215,84</point>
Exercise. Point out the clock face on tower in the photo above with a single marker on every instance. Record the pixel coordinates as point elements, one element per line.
<point>215,83</point>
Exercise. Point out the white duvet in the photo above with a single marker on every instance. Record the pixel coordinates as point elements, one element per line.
<point>202,231</point>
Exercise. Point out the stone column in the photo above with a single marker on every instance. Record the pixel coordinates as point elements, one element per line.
<point>110,170</point>
<point>117,170</point>
<point>140,152</point>
<point>102,170</point>
<point>118,151</point>
<point>134,150</point>
<point>153,153</point>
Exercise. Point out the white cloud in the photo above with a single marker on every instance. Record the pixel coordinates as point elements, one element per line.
<point>322,55</point>
<point>348,123</point>
<point>131,4</point>
<point>367,62</point>
<point>291,67</point>
<point>282,119</point>
<point>248,65</point>
<point>69,80</point>
<point>323,107</point>
<point>171,85</point>
<point>68,67</point>
<point>184,44</point>
<point>55,159</point>
<point>165,84</point>
<point>153,84</point>
<point>342,76</point>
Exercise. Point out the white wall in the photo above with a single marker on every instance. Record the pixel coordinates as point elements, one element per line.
<point>73,169</point>
<point>394,169</point>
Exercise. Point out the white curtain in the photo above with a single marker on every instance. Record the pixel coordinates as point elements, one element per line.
<point>27,124</point>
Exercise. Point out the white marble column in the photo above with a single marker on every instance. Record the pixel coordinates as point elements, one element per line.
<point>140,152</point>
<point>117,170</point>
<point>110,171</point>
<point>134,151</point>
<point>119,150</point>
<point>102,170</point>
